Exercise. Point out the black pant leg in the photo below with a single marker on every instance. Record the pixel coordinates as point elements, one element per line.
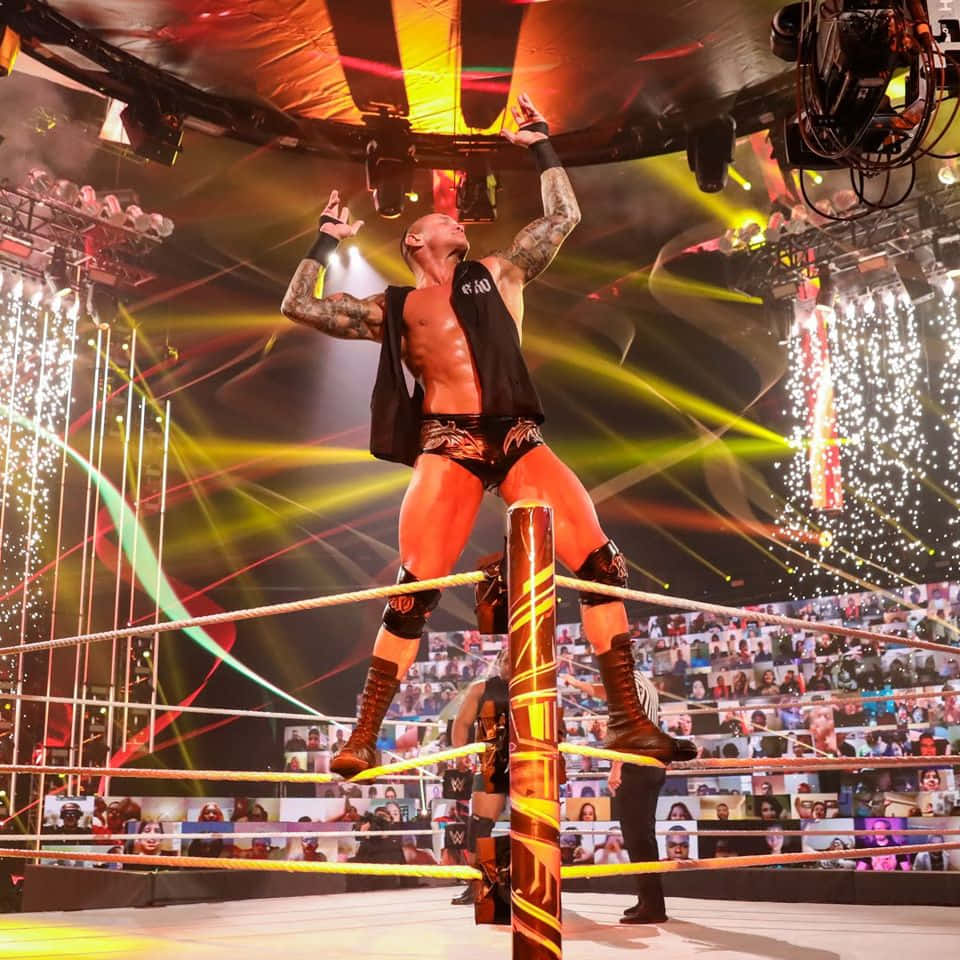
<point>638,793</point>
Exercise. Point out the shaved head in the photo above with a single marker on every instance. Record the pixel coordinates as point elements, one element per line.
<point>440,233</point>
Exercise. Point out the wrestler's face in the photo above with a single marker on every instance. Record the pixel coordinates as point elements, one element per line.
<point>442,235</point>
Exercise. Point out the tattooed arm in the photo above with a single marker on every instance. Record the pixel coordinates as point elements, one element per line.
<point>535,246</point>
<point>338,315</point>
<point>537,243</point>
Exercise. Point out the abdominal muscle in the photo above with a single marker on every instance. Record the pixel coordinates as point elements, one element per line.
<point>437,353</point>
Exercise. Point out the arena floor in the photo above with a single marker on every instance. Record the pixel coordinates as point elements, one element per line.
<point>421,925</point>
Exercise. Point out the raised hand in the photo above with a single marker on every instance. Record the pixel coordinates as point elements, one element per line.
<point>524,112</point>
<point>342,228</point>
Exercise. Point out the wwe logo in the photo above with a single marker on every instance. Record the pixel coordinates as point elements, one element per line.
<point>456,837</point>
<point>458,783</point>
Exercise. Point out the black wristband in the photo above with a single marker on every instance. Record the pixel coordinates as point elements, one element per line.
<point>324,245</point>
<point>543,151</point>
<point>545,155</point>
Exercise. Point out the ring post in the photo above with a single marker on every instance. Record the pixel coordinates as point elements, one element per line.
<point>534,758</point>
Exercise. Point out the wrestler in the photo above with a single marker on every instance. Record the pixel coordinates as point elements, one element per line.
<point>472,424</point>
<point>490,697</point>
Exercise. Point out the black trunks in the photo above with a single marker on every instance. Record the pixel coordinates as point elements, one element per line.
<point>486,446</point>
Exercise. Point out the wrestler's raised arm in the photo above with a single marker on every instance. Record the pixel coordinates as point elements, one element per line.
<point>339,315</point>
<point>535,246</point>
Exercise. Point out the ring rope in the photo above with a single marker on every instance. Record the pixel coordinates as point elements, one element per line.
<point>251,613</point>
<point>249,835</point>
<point>760,860</point>
<point>438,871</point>
<point>246,776</point>
<point>302,719</point>
<point>469,873</point>
<point>688,767</point>
<point>582,750</point>
<point>464,579</point>
<point>681,769</point>
<point>327,834</point>
<point>810,626</point>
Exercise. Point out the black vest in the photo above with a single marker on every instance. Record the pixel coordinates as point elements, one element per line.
<point>506,388</point>
<point>497,691</point>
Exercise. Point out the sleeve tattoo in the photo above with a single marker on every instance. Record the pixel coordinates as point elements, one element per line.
<point>339,315</point>
<point>535,246</point>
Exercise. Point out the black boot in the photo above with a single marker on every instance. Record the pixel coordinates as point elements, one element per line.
<point>468,896</point>
<point>629,729</point>
<point>360,750</point>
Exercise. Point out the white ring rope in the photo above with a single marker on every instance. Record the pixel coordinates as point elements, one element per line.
<point>737,764</point>
<point>253,835</point>
<point>464,579</point>
<point>251,613</point>
<point>469,873</point>
<point>303,719</point>
<point>809,626</point>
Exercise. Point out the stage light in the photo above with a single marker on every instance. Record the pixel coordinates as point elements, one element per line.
<point>112,130</point>
<point>135,219</point>
<point>477,195</point>
<point>66,191</point>
<point>737,177</point>
<point>38,180</point>
<point>389,168</point>
<point>948,253</point>
<point>413,196</point>
<point>87,201</point>
<point>914,279</point>
<point>154,133</point>
<point>947,174</point>
<point>111,211</point>
<point>160,225</point>
<point>710,150</point>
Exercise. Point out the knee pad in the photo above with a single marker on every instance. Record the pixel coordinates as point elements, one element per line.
<point>405,616</point>
<point>605,565</point>
<point>478,827</point>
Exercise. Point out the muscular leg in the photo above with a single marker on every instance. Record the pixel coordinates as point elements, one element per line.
<point>436,518</point>
<point>542,475</point>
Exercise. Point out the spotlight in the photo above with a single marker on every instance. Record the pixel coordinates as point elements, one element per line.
<point>112,130</point>
<point>87,201</point>
<point>135,219</point>
<point>477,195</point>
<point>66,191</point>
<point>57,273</point>
<point>710,150</point>
<point>160,225</point>
<point>947,174</point>
<point>948,253</point>
<point>389,168</point>
<point>154,134</point>
<point>111,211</point>
<point>39,181</point>
<point>914,281</point>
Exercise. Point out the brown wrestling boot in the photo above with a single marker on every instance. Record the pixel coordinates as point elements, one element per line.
<point>629,729</point>
<point>360,750</point>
